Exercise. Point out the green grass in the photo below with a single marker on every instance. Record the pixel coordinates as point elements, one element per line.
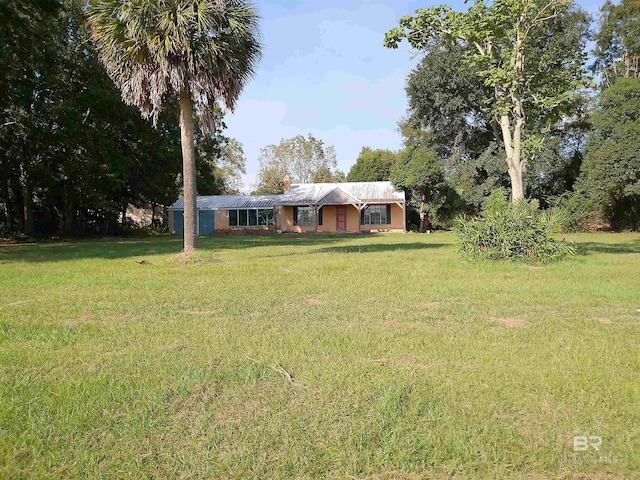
<point>406,362</point>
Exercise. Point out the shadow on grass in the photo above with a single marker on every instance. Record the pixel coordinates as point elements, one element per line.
<point>114,248</point>
<point>380,247</point>
<point>589,248</point>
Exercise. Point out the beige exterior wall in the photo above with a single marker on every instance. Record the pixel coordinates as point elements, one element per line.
<point>285,220</point>
<point>329,218</point>
<point>222,219</point>
<point>398,221</point>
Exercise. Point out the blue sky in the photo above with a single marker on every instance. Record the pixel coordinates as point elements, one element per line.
<point>325,71</point>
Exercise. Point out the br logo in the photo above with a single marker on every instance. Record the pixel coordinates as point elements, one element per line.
<point>584,443</point>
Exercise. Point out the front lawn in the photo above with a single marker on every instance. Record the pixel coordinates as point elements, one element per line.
<point>379,356</point>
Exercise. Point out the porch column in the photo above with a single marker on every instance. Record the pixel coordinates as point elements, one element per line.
<point>316,216</point>
<point>404,214</point>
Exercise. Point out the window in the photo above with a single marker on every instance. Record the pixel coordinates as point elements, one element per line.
<point>242,218</point>
<point>265,218</point>
<point>253,217</point>
<point>304,216</point>
<point>376,215</point>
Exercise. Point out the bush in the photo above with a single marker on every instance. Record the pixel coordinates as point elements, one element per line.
<point>519,232</point>
<point>579,213</point>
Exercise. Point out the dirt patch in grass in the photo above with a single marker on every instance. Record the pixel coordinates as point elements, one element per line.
<point>17,303</point>
<point>92,367</point>
<point>315,301</point>
<point>605,320</point>
<point>428,304</point>
<point>509,322</point>
<point>395,323</point>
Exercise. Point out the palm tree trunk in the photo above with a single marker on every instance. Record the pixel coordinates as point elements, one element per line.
<point>188,171</point>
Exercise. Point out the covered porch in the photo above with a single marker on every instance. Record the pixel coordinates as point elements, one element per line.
<point>340,212</point>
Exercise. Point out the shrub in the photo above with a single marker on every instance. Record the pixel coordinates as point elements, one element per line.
<point>519,232</point>
<point>579,213</point>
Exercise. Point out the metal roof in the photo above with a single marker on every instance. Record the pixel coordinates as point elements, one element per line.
<point>366,192</point>
<point>304,194</point>
<point>226,202</point>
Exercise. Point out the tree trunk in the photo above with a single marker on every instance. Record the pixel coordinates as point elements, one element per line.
<point>69,219</point>
<point>517,184</point>
<point>512,148</point>
<point>8,207</point>
<point>188,171</point>
<point>423,219</point>
<point>29,227</point>
<point>123,213</point>
<point>18,204</point>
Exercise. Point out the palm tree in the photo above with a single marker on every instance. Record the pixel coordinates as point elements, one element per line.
<point>201,51</point>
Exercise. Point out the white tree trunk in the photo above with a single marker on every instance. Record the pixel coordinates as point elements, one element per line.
<point>513,151</point>
<point>188,171</point>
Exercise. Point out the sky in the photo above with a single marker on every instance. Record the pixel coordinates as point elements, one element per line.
<point>326,72</point>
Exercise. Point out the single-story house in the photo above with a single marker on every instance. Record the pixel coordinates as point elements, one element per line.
<point>303,207</point>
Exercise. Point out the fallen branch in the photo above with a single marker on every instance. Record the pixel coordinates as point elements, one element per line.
<point>278,368</point>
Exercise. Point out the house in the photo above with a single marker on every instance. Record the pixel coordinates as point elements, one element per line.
<point>302,208</point>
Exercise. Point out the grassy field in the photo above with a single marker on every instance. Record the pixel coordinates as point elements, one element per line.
<point>380,356</point>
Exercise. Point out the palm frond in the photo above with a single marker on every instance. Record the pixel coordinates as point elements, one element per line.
<point>154,49</point>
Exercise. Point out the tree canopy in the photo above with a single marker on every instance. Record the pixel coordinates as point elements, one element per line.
<point>611,168</point>
<point>301,159</point>
<point>201,51</point>
<point>520,50</point>
<point>73,154</point>
<point>372,166</point>
<point>617,49</point>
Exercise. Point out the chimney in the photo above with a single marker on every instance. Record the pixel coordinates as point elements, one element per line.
<point>287,183</point>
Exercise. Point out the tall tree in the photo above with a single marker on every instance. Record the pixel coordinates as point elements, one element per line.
<point>419,173</point>
<point>220,163</point>
<point>26,54</point>
<point>201,51</point>
<point>610,172</point>
<point>517,50</point>
<point>617,49</point>
<point>372,165</point>
<point>302,159</point>
<point>446,104</point>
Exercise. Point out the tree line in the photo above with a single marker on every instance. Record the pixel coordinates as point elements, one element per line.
<point>73,154</point>
<point>505,97</point>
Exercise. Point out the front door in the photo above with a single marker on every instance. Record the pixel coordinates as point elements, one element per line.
<point>206,222</point>
<point>178,225</point>
<point>341,219</point>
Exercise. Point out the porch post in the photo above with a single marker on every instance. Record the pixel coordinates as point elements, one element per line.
<point>404,214</point>
<point>316,216</point>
